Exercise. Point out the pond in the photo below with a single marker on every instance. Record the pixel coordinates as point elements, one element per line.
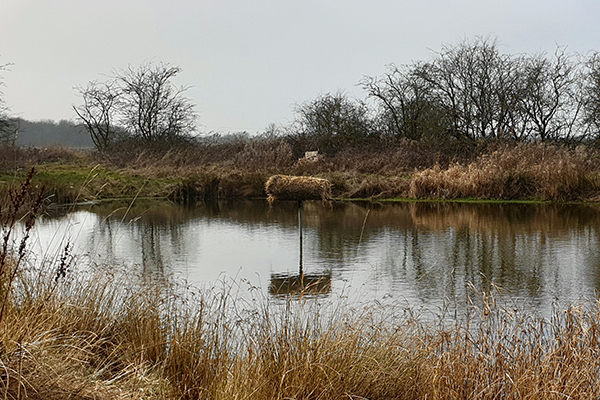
<point>426,254</point>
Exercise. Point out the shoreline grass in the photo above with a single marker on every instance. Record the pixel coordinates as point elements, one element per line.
<point>100,336</point>
<point>520,172</point>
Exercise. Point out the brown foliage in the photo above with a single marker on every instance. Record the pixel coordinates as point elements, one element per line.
<point>14,158</point>
<point>239,169</point>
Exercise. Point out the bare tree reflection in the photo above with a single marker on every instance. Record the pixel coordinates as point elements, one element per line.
<point>428,251</point>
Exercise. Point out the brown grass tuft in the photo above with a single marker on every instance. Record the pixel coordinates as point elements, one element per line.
<point>283,187</point>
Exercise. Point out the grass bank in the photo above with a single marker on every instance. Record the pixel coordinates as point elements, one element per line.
<point>537,172</point>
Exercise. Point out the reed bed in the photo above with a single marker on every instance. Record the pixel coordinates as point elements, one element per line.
<point>525,171</point>
<point>409,169</point>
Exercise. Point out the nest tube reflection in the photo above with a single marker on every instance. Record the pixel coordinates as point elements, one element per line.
<point>286,284</point>
<point>299,188</point>
<point>282,285</point>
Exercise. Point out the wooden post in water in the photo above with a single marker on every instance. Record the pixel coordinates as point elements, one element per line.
<point>300,206</point>
<point>298,188</point>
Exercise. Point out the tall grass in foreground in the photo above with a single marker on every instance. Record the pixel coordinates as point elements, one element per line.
<point>97,337</point>
<point>103,335</point>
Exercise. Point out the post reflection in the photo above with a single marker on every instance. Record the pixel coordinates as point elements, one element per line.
<point>284,285</point>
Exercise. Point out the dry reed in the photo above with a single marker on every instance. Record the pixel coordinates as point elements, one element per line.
<point>239,169</point>
<point>525,171</point>
<point>101,336</point>
<point>282,187</point>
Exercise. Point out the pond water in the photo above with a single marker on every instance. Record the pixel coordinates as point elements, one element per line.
<point>426,254</point>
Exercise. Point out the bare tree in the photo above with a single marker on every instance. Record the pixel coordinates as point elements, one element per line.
<point>548,95</point>
<point>152,107</point>
<point>407,107</point>
<point>98,111</point>
<point>466,90</point>
<point>472,90</point>
<point>476,86</point>
<point>142,102</point>
<point>8,125</point>
<point>332,121</point>
<point>591,95</point>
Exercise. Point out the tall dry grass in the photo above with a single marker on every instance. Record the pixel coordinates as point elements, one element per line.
<point>521,171</point>
<point>14,158</point>
<point>526,171</point>
<point>103,335</point>
<point>402,168</point>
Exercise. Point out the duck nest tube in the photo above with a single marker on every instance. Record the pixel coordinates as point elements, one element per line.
<point>299,188</point>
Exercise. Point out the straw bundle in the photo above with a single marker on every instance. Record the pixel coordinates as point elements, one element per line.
<point>284,187</point>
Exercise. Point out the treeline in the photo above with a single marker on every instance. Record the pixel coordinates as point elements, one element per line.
<point>44,133</point>
<point>465,93</point>
<point>468,91</point>
<point>47,133</point>
<point>6,125</point>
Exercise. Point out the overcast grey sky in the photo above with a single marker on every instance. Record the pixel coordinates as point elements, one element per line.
<point>249,62</point>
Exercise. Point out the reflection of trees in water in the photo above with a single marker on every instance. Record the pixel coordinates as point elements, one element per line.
<point>152,261</point>
<point>247,212</point>
<point>434,248</point>
<point>440,263</point>
<point>144,240</point>
<point>153,237</point>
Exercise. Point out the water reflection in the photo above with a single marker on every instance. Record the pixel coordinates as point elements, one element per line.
<point>300,284</point>
<point>425,252</point>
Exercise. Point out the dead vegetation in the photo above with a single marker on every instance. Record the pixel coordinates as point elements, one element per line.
<point>532,171</point>
<point>104,338</point>
<point>299,188</point>
<point>408,169</point>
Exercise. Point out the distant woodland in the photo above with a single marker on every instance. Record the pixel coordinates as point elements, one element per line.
<point>48,133</point>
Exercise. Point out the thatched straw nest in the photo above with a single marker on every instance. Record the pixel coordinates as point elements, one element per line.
<point>284,187</point>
